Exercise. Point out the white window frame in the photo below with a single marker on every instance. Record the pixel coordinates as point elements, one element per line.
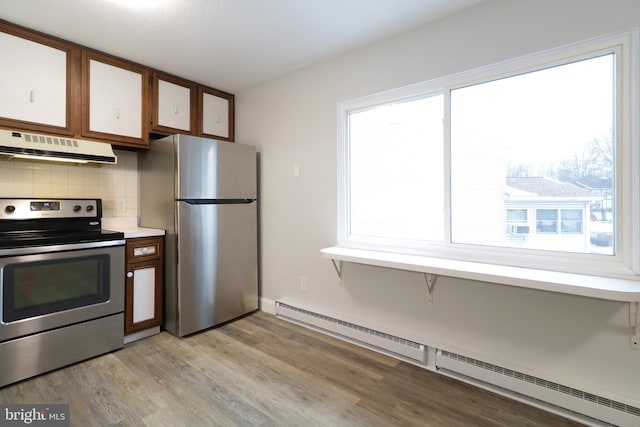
<point>626,261</point>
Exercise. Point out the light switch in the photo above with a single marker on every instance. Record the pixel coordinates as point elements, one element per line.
<point>296,170</point>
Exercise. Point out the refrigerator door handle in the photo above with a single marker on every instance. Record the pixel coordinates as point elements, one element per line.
<point>216,201</point>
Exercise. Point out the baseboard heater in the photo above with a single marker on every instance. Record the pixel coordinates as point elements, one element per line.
<point>578,402</point>
<point>375,340</point>
<point>564,400</point>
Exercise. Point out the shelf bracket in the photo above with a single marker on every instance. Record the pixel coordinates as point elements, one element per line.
<point>431,281</point>
<point>634,324</point>
<point>338,268</point>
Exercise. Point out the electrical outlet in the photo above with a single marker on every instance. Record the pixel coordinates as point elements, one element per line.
<point>303,283</point>
<point>121,205</point>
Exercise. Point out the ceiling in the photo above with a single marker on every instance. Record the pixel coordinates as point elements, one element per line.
<point>226,44</point>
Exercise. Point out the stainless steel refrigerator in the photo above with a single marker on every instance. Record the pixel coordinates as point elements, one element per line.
<point>203,193</point>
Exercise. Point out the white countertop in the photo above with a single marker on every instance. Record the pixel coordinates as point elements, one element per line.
<point>132,233</point>
<point>129,226</point>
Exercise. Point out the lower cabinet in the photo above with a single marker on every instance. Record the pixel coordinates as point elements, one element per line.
<point>143,287</point>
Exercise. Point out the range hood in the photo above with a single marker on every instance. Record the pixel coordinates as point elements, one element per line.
<point>32,146</point>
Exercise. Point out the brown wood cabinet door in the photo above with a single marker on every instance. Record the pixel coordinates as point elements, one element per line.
<point>216,114</point>
<point>145,282</point>
<point>40,90</point>
<point>173,105</point>
<point>115,100</point>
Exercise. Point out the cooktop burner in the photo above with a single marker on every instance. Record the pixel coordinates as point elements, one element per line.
<point>39,222</point>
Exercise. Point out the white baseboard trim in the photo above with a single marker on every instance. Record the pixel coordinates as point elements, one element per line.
<point>268,305</point>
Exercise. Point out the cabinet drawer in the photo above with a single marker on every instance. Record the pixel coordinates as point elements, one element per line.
<point>144,249</point>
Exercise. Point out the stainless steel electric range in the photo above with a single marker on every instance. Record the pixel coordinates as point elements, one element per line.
<point>61,285</point>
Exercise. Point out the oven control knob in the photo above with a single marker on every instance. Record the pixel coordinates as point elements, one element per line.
<point>89,208</point>
<point>10,209</point>
<point>77,208</point>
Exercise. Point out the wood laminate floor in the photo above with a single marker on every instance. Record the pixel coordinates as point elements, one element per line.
<point>262,371</point>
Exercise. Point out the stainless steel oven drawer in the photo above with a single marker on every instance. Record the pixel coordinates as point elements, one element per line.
<point>36,295</point>
<point>29,356</point>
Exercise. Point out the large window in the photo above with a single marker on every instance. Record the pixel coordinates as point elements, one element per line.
<point>397,193</point>
<point>543,145</point>
<point>556,123</point>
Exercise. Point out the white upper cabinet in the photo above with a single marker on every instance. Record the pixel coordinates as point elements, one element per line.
<point>34,83</point>
<point>173,105</point>
<point>114,100</point>
<point>217,110</point>
<point>53,86</point>
<point>115,103</point>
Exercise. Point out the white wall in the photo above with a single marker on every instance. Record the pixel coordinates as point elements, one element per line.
<point>577,341</point>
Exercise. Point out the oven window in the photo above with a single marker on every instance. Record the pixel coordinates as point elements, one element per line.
<point>42,287</point>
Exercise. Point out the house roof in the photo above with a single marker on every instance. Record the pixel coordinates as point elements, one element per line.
<point>544,187</point>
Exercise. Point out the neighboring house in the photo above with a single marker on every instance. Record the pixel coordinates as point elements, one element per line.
<point>543,213</point>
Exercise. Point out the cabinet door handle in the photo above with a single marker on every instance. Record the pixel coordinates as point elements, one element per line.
<point>129,274</point>
<point>175,109</point>
<point>117,113</point>
<point>32,97</point>
<point>147,250</point>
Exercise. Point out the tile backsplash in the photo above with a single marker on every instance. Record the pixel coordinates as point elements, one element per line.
<point>116,185</point>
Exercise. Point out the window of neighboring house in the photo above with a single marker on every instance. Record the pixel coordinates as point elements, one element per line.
<point>546,220</point>
<point>571,221</point>
<point>430,168</point>
<point>516,215</point>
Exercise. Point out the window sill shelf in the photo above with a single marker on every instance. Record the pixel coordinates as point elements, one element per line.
<point>551,281</point>
<point>567,283</point>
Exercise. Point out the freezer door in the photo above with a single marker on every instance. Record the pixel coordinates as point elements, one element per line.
<point>217,264</point>
<point>211,169</point>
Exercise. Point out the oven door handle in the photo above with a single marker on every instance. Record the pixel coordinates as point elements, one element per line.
<point>59,248</point>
